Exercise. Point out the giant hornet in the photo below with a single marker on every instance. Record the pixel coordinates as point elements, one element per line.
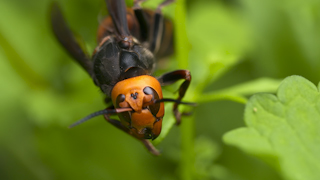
<point>129,40</point>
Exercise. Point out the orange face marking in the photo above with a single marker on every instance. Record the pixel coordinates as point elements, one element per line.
<point>135,85</point>
<point>143,123</point>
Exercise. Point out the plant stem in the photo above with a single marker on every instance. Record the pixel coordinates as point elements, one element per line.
<point>182,45</point>
<point>187,148</point>
<point>211,97</point>
<point>187,131</point>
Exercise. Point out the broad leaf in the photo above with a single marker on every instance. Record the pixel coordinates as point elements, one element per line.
<point>284,130</point>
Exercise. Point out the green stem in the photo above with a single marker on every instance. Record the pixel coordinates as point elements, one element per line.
<point>211,97</point>
<point>187,149</point>
<point>182,45</point>
<point>187,131</point>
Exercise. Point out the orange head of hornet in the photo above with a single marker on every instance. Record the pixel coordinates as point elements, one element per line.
<point>140,93</point>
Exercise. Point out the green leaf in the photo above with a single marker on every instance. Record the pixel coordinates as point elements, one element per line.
<point>284,130</point>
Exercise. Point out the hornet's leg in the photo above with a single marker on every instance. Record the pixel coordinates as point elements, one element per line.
<point>157,27</point>
<point>142,19</point>
<point>172,77</point>
<point>118,124</point>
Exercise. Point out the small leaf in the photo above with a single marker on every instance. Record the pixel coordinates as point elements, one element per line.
<point>284,130</point>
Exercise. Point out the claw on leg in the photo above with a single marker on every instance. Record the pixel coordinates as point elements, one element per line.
<point>150,147</point>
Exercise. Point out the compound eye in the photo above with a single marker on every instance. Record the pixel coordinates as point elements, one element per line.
<point>126,116</point>
<point>120,98</point>
<point>148,90</point>
<point>154,108</point>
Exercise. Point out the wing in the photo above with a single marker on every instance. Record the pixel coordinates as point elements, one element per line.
<point>68,40</point>
<point>118,13</point>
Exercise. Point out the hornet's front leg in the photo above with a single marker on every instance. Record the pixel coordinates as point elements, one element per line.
<point>172,77</point>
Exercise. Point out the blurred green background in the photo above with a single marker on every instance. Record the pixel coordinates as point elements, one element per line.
<point>43,90</point>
